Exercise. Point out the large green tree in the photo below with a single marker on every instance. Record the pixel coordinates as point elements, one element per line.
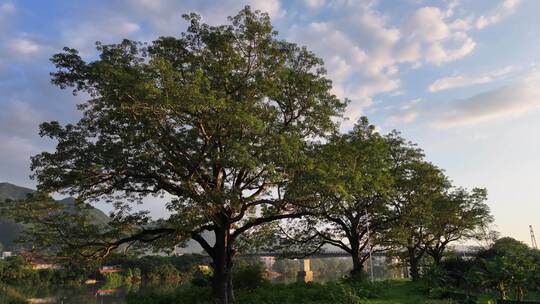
<point>456,215</point>
<point>350,178</point>
<point>215,120</point>
<point>417,183</point>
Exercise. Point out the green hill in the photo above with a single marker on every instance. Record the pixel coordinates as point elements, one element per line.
<point>10,230</point>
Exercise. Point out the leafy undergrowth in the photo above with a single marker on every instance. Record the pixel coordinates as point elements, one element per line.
<point>403,292</point>
<point>10,295</point>
<point>297,293</point>
<point>389,292</point>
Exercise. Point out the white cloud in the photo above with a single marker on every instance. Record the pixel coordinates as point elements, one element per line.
<point>507,101</point>
<point>406,117</point>
<point>459,81</point>
<point>314,3</point>
<point>165,16</point>
<point>105,29</point>
<point>434,38</point>
<point>404,114</point>
<point>364,51</point>
<point>7,7</point>
<point>19,119</point>
<point>272,7</point>
<point>504,10</point>
<point>24,46</point>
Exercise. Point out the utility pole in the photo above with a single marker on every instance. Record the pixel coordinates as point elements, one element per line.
<point>533,239</point>
<point>369,244</point>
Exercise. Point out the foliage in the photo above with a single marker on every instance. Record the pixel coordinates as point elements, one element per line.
<point>113,280</point>
<point>9,295</point>
<point>277,293</point>
<point>507,266</point>
<point>15,270</point>
<point>185,262</point>
<point>417,183</point>
<point>249,274</point>
<point>330,269</point>
<point>455,215</point>
<point>350,178</point>
<point>287,268</point>
<point>452,273</point>
<point>387,292</point>
<point>403,292</point>
<point>235,130</point>
<point>201,276</point>
<point>217,119</point>
<point>151,269</point>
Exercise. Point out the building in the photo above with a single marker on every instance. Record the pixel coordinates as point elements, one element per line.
<point>110,269</point>
<point>6,254</point>
<point>37,262</point>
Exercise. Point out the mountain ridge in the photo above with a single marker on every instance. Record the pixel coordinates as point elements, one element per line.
<point>10,230</point>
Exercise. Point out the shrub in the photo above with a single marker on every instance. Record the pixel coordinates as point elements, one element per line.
<point>298,293</point>
<point>366,289</point>
<point>249,274</point>
<point>201,275</point>
<point>9,295</point>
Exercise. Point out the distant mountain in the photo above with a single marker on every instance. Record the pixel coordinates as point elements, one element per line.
<point>13,192</point>
<point>10,230</point>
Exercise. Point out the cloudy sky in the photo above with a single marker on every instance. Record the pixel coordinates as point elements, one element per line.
<point>461,78</point>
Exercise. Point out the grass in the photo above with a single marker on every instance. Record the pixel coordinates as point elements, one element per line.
<point>297,293</point>
<point>389,292</point>
<point>404,292</point>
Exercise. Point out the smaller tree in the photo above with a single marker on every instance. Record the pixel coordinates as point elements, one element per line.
<point>508,264</point>
<point>417,183</point>
<point>456,215</point>
<point>349,180</point>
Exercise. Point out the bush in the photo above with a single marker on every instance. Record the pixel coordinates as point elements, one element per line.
<point>113,280</point>
<point>249,274</point>
<point>195,295</point>
<point>201,275</point>
<point>133,275</point>
<point>298,293</point>
<point>9,295</point>
<point>368,289</point>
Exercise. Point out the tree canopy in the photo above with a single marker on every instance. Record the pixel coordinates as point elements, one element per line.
<point>216,119</point>
<point>349,178</point>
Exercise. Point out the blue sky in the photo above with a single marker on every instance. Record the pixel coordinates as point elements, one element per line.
<point>459,77</point>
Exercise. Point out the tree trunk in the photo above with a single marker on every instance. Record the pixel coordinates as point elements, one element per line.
<point>502,291</point>
<point>413,263</point>
<point>437,253</point>
<point>437,257</point>
<point>520,293</point>
<point>357,272</point>
<point>222,286</point>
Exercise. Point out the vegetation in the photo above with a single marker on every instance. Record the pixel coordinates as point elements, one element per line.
<point>349,176</point>
<point>216,118</point>
<point>9,295</point>
<point>388,292</point>
<point>237,132</point>
<point>509,268</point>
<point>11,231</point>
